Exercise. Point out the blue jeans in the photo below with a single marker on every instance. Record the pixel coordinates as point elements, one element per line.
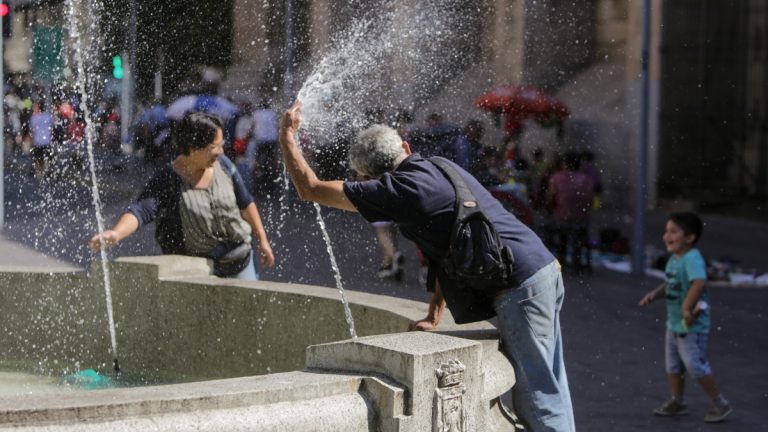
<point>529,323</point>
<point>249,272</point>
<point>687,352</point>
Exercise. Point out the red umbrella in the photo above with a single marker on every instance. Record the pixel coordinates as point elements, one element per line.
<point>521,102</point>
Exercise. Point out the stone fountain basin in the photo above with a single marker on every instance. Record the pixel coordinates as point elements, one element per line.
<point>254,355</point>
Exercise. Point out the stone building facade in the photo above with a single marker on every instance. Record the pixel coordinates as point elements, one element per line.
<point>709,83</point>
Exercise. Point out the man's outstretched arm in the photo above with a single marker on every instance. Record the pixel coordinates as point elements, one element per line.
<point>309,187</point>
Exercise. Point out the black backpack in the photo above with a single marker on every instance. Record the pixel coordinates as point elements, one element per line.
<point>476,257</point>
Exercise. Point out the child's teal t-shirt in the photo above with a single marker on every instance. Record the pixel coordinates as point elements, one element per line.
<point>680,273</point>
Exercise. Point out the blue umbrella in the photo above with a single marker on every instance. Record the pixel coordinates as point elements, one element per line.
<point>207,103</point>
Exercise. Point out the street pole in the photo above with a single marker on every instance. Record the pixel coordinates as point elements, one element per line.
<point>2,129</point>
<point>125,99</point>
<point>128,87</point>
<point>638,245</point>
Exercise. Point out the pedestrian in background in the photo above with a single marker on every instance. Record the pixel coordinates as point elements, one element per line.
<point>570,195</point>
<point>688,318</point>
<point>261,152</point>
<point>465,149</point>
<point>588,167</point>
<point>435,137</point>
<point>41,130</point>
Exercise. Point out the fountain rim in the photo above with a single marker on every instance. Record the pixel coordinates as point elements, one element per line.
<point>231,392</point>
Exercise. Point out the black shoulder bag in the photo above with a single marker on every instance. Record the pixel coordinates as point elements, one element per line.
<point>476,256</point>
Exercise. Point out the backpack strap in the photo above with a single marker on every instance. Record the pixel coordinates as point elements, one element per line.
<point>466,203</point>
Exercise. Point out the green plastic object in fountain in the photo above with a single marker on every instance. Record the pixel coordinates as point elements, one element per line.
<point>89,379</point>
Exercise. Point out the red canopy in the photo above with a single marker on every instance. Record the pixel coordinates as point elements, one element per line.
<point>521,102</point>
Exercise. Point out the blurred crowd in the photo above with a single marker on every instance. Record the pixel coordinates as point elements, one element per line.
<point>550,191</point>
<point>49,125</point>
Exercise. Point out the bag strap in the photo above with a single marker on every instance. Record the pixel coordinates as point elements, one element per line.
<point>466,203</point>
<point>229,167</point>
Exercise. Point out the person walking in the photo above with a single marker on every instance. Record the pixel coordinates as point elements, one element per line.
<point>41,129</point>
<point>403,187</point>
<point>688,319</point>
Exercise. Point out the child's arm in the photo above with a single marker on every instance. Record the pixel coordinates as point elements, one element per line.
<point>653,295</point>
<point>694,292</point>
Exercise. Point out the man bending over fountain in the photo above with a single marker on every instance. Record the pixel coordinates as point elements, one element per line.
<point>403,187</point>
<point>201,205</point>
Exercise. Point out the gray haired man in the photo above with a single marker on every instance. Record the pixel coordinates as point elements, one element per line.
<point>403,187</point>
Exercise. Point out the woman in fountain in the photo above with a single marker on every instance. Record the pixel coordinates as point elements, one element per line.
<point>201,205</point>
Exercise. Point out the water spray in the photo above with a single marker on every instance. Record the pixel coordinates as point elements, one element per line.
<point>352,75</point>
<point>90,136</point>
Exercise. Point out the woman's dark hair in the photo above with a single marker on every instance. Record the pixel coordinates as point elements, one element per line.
<point>689,222</point>
<point>196,131</point>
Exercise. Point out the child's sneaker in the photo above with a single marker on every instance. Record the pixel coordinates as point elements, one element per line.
<point>671,408</point>
<point>717,413</point>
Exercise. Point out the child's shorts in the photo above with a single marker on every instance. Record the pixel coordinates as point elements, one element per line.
<point>687,352</point>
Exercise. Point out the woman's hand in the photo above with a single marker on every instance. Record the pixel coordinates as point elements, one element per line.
<point>266,257</point>
<point>109,237</point>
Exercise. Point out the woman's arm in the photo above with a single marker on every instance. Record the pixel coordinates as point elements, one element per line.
<point>251,215</point>
<point>125,226</point>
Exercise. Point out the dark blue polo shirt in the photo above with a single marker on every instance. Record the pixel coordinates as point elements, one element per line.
<point>421,200</point>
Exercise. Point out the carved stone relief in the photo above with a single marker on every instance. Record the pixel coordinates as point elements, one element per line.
<point>449,411</point>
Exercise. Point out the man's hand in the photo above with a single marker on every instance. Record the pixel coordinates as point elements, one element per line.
<point>291,119</point>
<point>422,325</point>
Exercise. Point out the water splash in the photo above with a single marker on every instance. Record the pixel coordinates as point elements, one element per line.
<point>422,41</point>
<point>336,273</point>
<point>393,57</point>
<point>284,178</point>
<point>78,12</point>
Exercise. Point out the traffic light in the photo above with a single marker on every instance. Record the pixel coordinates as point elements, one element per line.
<point>117,67</point>
<point>5,12</point>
